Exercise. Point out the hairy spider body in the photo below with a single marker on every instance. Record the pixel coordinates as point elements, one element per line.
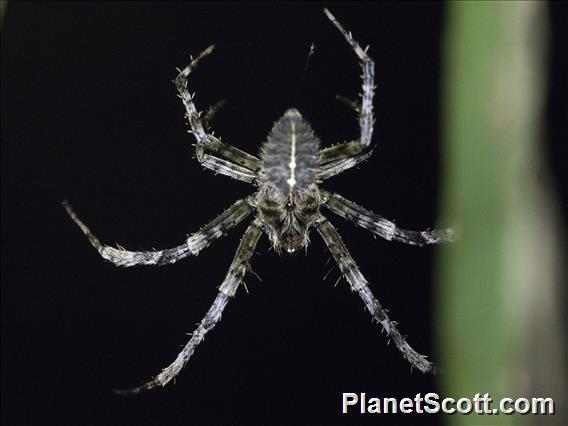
<point>287,203</point>
<point>288,200</point>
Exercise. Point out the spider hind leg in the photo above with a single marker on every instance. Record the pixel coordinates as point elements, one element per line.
<point>343,156</point>
<point>210,151</point>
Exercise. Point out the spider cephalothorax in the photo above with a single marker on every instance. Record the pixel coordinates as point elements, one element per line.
<point>286,205</point>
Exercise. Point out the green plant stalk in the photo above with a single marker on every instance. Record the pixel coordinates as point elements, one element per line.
<point>492,94</point>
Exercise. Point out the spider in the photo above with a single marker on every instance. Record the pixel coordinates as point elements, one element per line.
<point>286,206</point>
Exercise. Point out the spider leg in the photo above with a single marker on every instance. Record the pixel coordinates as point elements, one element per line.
<point>354,105</point>
<point>341,157</point>
<point>227,290</point>
<point>366,119</point>
<point>236,163</point>
<point>192,246</point>
<point>228,168</point>
<point>383,227</point>
<point>360,285</point>
<point>338,158</point>
<point>210,113</point>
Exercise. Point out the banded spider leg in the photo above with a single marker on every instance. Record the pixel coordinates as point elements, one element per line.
<point>383,227</point>
<point>210,151</point>
<point>227,290</point>
<point>338,158</point>
<point>359,284</point>
<point>192,246</point>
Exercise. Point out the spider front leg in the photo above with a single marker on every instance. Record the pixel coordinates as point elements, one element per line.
<point>360,285</point>
<point>192,246</point>
<point>210,151</point>
<point>227,290</point>
<point>343,156</point>
<point>383,227</point>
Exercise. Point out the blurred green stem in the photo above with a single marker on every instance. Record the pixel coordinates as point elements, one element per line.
<point>3,4</point>
<point>499,283</point>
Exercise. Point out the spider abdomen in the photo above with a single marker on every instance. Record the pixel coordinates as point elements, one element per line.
<point>290,156</point>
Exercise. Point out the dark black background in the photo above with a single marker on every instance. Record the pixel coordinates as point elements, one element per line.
<point>89,113</point>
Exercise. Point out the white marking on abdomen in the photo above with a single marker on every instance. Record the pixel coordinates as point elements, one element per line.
<point>292,163</point>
